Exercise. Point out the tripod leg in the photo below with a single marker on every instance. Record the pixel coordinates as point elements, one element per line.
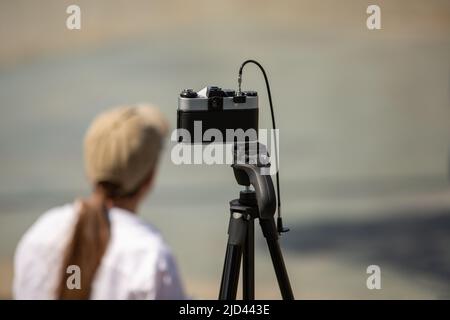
<point>248,263</point>
<point>236,237</point>
<point>270,233</point>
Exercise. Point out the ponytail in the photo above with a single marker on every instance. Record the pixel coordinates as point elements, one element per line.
<point>86,248</point>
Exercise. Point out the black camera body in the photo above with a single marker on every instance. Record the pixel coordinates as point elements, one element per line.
<point>216,108</point>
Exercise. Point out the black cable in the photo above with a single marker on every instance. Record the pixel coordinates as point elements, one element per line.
<point>279,220</point>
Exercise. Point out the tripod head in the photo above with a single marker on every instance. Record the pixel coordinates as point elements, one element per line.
<point>249,174</point>
<point>248,170</point>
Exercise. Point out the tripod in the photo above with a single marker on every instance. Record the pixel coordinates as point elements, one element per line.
<point>260,204</point>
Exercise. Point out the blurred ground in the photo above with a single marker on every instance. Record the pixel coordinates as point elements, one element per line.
<point>364,118</point>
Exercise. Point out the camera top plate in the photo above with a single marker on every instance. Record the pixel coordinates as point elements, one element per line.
<point>213,98</point>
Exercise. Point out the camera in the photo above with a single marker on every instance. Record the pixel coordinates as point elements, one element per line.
<point>216,108</point>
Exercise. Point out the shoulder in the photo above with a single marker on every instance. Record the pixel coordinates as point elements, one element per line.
<point>50,226</point>
<point>133,232</point>
<point>37,253</point>
<point>137,251</point>
<point>137,240</point>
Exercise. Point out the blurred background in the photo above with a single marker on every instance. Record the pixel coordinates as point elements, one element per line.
<point>364,120</point>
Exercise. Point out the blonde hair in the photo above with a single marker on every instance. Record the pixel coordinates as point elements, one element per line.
<point>122,145</point>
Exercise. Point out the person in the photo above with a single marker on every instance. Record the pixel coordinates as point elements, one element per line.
<point>99,248</point>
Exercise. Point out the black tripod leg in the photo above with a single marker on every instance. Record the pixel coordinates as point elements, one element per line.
<point>248,263</point>
<point>236,237</point>
<point>270,233</point>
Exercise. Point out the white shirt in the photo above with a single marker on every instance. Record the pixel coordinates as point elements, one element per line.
<point>137,263</point>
